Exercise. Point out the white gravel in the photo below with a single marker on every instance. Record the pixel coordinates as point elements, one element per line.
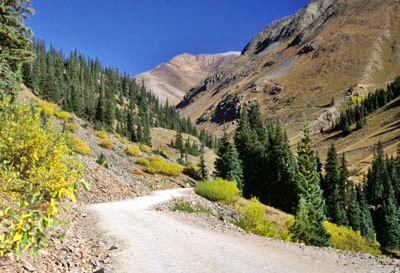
<point>155,241</point>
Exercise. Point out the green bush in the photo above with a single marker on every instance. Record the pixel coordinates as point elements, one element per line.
<point>252,218</point>
<point>218,190</point>
<point>186,206</point>
<point>345,238</point>
<point>156,164</point>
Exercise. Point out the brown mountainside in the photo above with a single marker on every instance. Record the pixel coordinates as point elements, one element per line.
<point>173,79</point>
<point>296,65</point>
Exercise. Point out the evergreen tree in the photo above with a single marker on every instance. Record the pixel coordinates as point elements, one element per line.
<point>228,165</point>
<point>330,182</point>
<point>389,235</point>
<point>353,210</point>
<point>15,43</point>
<point>179,141</point>
<point>366,224</point>
<point>308,226</point>
<point>378,178</point>
<point>202,164</point>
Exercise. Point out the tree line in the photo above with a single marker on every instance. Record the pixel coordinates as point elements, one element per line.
<point>360,107</point>
<point>104,96</point>
<point>262,163</point>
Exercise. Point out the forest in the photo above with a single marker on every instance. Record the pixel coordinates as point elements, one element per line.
<point>104,96</point>
<point>299,183</point>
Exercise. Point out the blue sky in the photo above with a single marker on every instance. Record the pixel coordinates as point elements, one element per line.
<point>136,35</point>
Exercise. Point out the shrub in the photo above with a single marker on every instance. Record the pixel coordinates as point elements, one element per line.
<point>156,164</point>
<point>79,146</point>
<point>218,190</point>
<point>106,143</point>
<point>192,172</point>
<point>145,148</point>
<point>345,238</point>
<point>46,107</point>
<point>36,172</point>
<point>102,161</point>
<point>133,150</point>
<point>186,206</point>
<point>252,218</point>
<point>70,126</point>
<point>286,233</point>
<point>101,134</point>
<point>62,115</point>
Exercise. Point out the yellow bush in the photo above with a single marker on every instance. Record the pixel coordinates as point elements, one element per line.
<point>133,150</point>
<point>286,233</point>
<point>36,172</point>
<point>218,190</point>
<point>252,218</point>
<point>79,146</point>
<point>345,238</point>
<point>101,134</point>
<point>70,126</point>
<point>158,165</point>
<point>62,115</point>
<point>145,148</point>
<point>45,106</point>
<point>106,143</point>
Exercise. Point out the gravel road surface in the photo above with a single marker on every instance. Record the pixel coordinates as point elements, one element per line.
<point>161,242</point>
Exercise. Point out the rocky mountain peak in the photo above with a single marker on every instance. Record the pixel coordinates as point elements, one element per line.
<point>170,81</point>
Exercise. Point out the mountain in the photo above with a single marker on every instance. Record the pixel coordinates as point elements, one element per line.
<point>173,79</point>
<point>296,66</point>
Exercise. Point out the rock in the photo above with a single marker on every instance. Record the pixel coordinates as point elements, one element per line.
<point>101,270</point>
<point>28,266</point>
<point>113,247</point>
<point>99,244</point>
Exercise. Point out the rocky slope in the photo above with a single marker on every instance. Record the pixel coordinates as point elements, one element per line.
<point>170,81</point>
<point>296,65</point>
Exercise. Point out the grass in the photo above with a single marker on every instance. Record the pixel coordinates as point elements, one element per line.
<point>218,190</point>
<point>186,206</point>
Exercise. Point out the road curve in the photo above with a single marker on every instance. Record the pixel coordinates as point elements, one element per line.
<point>156,242</point>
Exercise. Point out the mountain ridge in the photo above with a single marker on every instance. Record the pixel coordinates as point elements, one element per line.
<point>171,80</point>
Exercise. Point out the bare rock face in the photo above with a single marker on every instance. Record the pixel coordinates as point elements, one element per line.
<point>172,80</point>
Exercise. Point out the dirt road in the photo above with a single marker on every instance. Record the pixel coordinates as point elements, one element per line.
<point>153,241</point>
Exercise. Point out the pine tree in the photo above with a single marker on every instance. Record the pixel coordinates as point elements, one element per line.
<point>308,226</point>
<point>353,210</point>
<point>389,235</point>
<point>228,165</point>
<point>366,224</point>
<point>15,43</point>
<point>202,164</point>
<point>178,141</point>
<point>330,182</point>
<point>378,178</point>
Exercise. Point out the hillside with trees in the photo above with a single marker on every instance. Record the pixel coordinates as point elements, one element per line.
<point>104,96</point>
